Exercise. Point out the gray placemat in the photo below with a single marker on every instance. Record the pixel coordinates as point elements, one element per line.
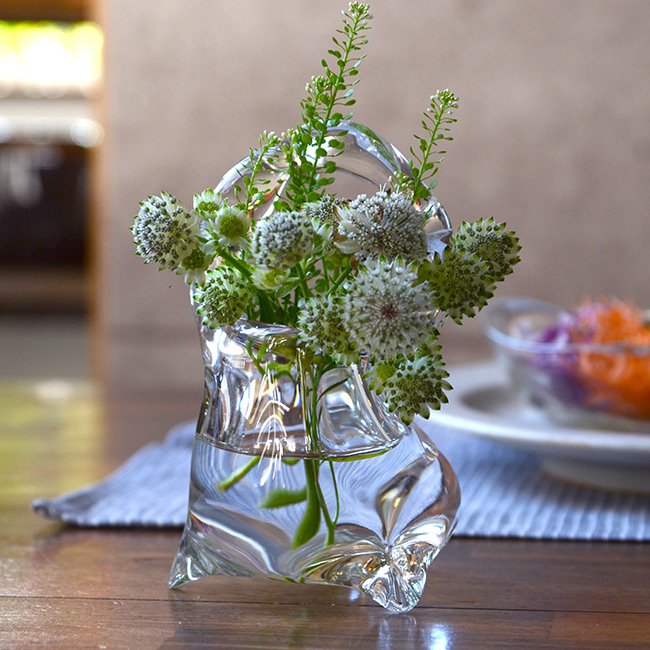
<point>504,494</point>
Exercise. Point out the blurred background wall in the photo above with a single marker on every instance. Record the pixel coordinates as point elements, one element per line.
<point>553,137</point>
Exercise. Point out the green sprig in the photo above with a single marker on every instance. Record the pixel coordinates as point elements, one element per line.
<point>257,160</point>
<point>309,142</point>
<point>435,125</point>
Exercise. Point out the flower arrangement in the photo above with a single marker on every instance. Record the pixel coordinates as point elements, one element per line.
<point>361,280</point>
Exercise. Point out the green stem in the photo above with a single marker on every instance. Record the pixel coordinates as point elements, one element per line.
<point>331,525</point>
<point>303,282</point>
<point>437,123</point>
<point>257,359</point>
<point>240,265</point>
<point>310,522</point>
<point>316,504</point>
<point>267,142</point>
<point>339,280</point>
<point>336,492</point>
<point>316,375</point>
<point>267,311</point>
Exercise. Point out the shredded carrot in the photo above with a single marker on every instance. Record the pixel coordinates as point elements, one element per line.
<point>619,380</point>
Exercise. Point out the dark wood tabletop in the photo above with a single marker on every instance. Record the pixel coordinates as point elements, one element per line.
<point>64,587</point>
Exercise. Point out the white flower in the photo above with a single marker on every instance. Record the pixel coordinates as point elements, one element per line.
<point>321,323</point>
<point>416,386</point>
<point>325,211</point>
<point>230,225</point>
<point>268,279</point>
<point>282,240</point>
<point>164,232</point>
<point>222,298</point>
<point>387,312</point>
<point>384,224</point>
<point>207,203</point>
<point>194,266</point>
<point>326,216</point>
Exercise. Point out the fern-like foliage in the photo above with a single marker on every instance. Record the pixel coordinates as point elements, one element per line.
<point>327,95</point>
<point>436,127</point>
<point>258,159</point>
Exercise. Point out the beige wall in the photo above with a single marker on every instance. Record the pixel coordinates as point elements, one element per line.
<point>553,137</point>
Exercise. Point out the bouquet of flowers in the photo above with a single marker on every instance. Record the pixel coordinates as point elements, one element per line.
<point>361,279</point>
<point>313,302</point>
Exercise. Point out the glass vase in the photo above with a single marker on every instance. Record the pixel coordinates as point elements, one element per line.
<point>300,473</point>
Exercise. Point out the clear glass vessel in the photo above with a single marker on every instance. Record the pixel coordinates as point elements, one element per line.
<point>299,472</point>
<point>364,163</point>
<point>304,476</point>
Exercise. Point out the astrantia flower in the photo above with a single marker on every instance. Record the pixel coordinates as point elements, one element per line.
<point>322,325</point>
<point>416,386</point>
<point>386,312</point>
<point>461,283</point>
<point>325,217</point>
<point>164,232</point>
<point>194,266</point>
<point>282,240</point>
<point>325,211</point>
<point>384,224</point>
<point>378,374</point>
<point>268,279</point>
<point>230,225</point>
<point>222,298</point>
<point>207,203</point>
<point>490,240</point>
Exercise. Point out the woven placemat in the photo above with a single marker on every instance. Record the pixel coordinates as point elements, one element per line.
<point>504,494</point>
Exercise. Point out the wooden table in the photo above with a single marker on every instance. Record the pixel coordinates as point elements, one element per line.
<point>75,588</point>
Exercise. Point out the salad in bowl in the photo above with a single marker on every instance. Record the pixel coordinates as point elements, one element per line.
<point>589,366</point>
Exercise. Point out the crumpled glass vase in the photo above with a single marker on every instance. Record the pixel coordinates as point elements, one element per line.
<point>308,478</point>
<point>299,472</point>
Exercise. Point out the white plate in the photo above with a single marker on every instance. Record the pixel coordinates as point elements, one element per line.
<point>482,404</point>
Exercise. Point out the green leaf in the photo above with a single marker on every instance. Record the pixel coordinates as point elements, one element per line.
<point>321,285</point>
<point>281,497</point>
<point>310,523</point>
<point>291,461</point>
<point>238,474</point>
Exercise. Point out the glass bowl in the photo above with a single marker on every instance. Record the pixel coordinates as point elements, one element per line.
<point>596,385</point>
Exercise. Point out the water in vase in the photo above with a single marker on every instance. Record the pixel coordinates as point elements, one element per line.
<point>370,523</point>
